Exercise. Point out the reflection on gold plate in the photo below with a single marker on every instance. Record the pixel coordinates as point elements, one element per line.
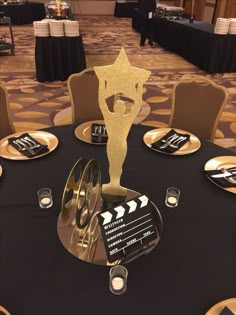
<point>83,131</point>
<point>218,163</point>
<point>7,151</point>
<point>154,135</point>
<point>217,309</point>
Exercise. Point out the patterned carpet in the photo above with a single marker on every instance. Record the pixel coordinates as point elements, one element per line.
<point>37,105</point>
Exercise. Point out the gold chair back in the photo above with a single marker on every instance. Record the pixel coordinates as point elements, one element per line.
<point>6,126</point>
<point>83,90</point>
<point>197,106</point>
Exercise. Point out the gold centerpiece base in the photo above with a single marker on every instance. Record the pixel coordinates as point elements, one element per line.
<point>72,243</point>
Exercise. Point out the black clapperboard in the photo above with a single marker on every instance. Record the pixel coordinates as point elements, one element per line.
<point>126,227</point>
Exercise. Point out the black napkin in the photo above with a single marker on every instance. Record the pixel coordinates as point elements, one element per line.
<point>172,136</point>
<point>99,133</point>
<point>226,311</point>
<point>221,181</point>
<point>29,144</point>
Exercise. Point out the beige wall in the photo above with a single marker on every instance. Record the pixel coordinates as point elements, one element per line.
<point>93,7</point>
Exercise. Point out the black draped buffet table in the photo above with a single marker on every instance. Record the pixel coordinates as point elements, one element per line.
<point>24,13</point>
<point>195,42</point>
<point>191,269</point>
<point>56,58</point>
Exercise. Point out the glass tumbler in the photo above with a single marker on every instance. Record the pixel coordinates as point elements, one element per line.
<point>118,279</point>
<point>45,197</point>
<point>172,197</point>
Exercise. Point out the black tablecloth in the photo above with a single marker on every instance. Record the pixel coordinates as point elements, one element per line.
<point>58,57</point>
<point>24,13</point>
<point>191,269</point>
<point>196,42</point>
<point>125,9</point>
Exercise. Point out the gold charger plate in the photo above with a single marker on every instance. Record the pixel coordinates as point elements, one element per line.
<point>217,308</point>
<point>154,135</point>
<point>83,132</point>
<point>0,171</point>
<point>221,162</point>
<point>9,152</point>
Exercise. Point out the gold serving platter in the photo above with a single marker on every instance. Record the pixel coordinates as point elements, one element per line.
<point>154,135</point>
<point>83,132</point>
<point>217,308</point>
<point>218,163</point>
<point>9,152</point>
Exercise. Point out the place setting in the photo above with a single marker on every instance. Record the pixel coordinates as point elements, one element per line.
<point>171,141</point>
<point>221,171</point>
<point>93,132</point>
<point>27,145</point>
<point>226,307</point>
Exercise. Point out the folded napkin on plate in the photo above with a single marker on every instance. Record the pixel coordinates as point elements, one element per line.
<point>171,142</point>
<point>220,177</point>
<point>27,145</point>
<point>99,133</point>
<point>226,311</point>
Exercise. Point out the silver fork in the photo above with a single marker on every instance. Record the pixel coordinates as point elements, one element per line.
<point>230,174</point>
<point>169,138</point>
<point>32,144</point>
<point>175,144</point>
<point>169,142</point>
<point>24,147</point>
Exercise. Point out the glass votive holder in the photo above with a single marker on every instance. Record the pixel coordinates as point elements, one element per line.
<point>45,198</point>
<point>118,279</point>
<point>172,197</point>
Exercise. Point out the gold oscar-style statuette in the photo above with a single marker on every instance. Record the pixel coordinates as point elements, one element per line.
<point>119,79</point>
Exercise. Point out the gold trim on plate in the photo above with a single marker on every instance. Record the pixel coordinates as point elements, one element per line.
<point>9,152</point>
<point>189,147</point>
<point>83,132</point>
<point>218,163</point>
<point>0,170</point>
<point>217,308</point>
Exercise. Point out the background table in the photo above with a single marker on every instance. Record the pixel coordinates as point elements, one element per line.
<point>56,58</point>
<point>191,269</point>
<point>195,42</point>
<point>24,13</point>
<point>125,9</point>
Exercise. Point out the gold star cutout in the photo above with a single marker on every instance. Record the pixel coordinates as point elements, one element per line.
<point>121,77</point>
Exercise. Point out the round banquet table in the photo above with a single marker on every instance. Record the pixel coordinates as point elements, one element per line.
<point>191,269</point>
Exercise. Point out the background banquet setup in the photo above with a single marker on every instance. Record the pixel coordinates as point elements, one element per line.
<point>118,157</point>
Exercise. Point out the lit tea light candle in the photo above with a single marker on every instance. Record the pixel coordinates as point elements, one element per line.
<point>117,283</point>
<point>45,201</point>
<point>172,200</point>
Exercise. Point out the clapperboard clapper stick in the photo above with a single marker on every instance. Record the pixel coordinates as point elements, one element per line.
<point>128,229</point>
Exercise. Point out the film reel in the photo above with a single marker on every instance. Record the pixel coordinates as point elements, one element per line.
<point>79,208</point>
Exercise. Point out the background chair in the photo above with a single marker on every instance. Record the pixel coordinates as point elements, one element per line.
<point>6,126</point>
<point>197,106</point>
<point>83,90</point>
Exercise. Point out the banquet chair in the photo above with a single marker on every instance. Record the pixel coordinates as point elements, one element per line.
<point>83,91</point>
<point>6,126</point>
<point>197,105</point>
